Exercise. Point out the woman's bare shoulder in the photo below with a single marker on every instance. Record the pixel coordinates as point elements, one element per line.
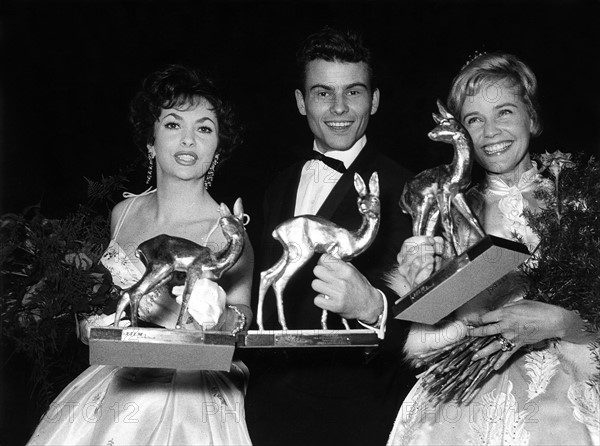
<point>119,210</point>
<point>127,212</point>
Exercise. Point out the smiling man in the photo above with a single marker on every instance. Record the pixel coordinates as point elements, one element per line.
<point>338,100</point>
<point>333,395</point>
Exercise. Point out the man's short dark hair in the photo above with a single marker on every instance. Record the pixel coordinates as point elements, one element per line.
<point>333,45</point>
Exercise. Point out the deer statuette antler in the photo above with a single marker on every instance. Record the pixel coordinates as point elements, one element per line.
<point>164,254</point>
<point>428,197</point>
<point>303,236</point>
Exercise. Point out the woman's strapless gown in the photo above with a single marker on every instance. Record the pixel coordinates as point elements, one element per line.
<point>109,405</point>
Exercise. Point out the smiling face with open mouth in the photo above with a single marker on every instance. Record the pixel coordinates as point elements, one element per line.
<point>500,126</point>
<point>337,101</point>
<point>185,140</point>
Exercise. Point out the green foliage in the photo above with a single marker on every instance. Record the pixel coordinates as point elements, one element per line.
<point>564,270</point>
<point>50,275</point>
<point>566,267</point>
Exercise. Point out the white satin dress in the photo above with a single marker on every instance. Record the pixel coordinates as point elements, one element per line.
<point>540,397</point>
<point>112,406</point>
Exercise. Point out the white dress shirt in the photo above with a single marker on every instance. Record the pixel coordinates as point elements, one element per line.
<point>318,179</point>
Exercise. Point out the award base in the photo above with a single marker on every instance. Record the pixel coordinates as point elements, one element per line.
<point>162,348</point>
<point>205,350</point>
<point>309,338</point>
<point>464,277</point>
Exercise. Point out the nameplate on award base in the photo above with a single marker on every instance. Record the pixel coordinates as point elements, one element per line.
<point>461,279</point>
<point>309,338</point>
<point>162,348</point>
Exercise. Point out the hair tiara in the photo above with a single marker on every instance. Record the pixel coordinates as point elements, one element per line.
<point>472,57</point>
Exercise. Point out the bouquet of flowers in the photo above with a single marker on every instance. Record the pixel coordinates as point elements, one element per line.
<point>51,275</point>
<point>564,270</point>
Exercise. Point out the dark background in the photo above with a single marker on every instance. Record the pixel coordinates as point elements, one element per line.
<point>68,70</point>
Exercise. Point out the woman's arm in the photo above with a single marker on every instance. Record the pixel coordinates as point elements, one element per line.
<point>115,215</point>
<point>85,324</point>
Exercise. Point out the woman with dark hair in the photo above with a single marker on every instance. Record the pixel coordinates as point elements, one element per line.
<point>543,389</point>
<point>185,126</point>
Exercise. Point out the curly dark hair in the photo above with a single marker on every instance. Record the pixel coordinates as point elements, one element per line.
<point>178,86</point>
<point>333,45</point>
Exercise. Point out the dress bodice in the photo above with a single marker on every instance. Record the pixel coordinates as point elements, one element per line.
<point>500,208</point>
<point>125,270</point>
<point>504,206</point>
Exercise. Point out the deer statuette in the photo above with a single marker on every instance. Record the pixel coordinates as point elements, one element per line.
<point>303,236</point>
<point>163,255</point>
<point>432,195</point>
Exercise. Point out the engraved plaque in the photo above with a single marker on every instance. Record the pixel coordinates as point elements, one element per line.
<point>161,348</point>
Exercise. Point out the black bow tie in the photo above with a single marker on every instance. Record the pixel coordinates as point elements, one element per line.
<point>333,163</point>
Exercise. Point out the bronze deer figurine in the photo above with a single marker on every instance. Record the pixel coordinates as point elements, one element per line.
<point>164,254</point>
<point>303,236</point>
<point>432,195</point>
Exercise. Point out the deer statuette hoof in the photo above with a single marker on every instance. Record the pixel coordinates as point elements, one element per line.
<point>164,254</point>
<point>432,195</point>
<point>303,236</point>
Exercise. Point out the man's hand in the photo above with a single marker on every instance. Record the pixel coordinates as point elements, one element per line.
<point>345,291</point>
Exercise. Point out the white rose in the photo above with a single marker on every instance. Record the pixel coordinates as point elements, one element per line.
<point>207,302</point>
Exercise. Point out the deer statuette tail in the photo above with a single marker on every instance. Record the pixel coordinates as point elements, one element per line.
<point>303,236</point>
<point>429,196</point>
<point>164,254</point>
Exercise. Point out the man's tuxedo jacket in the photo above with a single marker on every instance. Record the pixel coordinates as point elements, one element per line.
<point>330,395</point>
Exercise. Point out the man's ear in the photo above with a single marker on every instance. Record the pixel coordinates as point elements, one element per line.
<point>375,101</point>
<point>300,102</point>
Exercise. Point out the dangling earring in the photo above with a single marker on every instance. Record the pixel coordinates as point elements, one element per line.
<point>210,173</point>
<point>150,165</point>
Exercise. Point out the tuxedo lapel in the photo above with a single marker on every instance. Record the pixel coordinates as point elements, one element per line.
<point>337,194</point>
<point>363,165</point>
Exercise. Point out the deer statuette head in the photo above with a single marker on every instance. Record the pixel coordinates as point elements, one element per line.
<point>448,128</point>
<point>232,225</point>
<point>368,201</point>
<point>164,254</point>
